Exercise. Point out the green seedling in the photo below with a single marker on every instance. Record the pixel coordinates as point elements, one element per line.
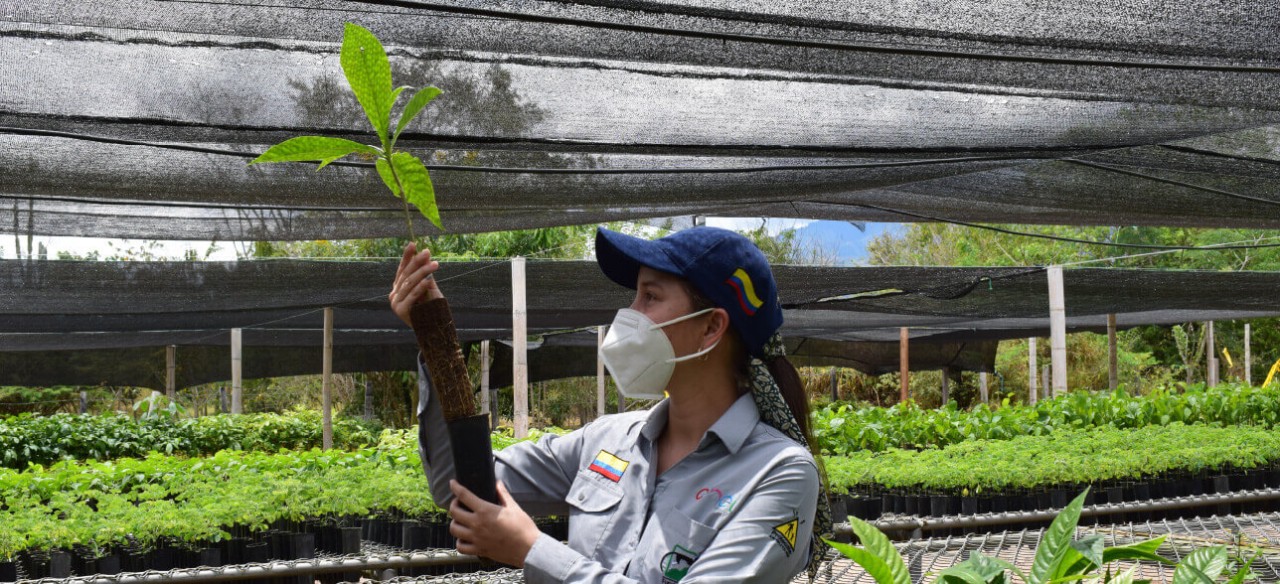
<point>365,65</point>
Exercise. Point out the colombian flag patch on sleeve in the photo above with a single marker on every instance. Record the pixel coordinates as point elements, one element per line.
<point>609,466</point>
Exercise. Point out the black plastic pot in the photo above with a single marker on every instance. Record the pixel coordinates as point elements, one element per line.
<point>9,571</point>
<point>969,506</point>
<point>257,552</point>
<point>473,455</point>
<point>938,505</point>
<point>59,564</point>
<point>209,557</point>
<point>108,565</point>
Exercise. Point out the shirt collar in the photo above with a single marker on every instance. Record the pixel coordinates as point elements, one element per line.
<point>733,428</point>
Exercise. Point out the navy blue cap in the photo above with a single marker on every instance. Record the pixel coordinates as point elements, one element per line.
<point>723,265</point>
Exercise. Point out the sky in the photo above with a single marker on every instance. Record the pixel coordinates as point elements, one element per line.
<point>847,242</point>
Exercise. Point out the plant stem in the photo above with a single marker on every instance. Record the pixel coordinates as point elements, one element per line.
<point>404,198</point>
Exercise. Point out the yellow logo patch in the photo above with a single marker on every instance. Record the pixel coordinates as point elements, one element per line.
<point>785,535</point>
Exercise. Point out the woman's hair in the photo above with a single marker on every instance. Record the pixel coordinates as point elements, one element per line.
<point>782,370</point>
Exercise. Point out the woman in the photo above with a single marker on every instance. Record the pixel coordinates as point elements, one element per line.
<point>714,484</point>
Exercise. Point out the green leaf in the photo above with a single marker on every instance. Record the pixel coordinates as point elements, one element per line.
<point>365,64</point>
<point>877,543</point>
<point>1056,542</point>
<point>1245,570</point>
<point>875,567</point>
<point>957,574</point>
<point>384,171</point>
<point>320,148</point>
<point>1202,566</point>
<point>1143,550</point>
<point>414,107</point>
<point>417,185</point>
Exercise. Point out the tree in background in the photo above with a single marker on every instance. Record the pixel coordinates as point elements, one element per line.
<point>1153,354</point>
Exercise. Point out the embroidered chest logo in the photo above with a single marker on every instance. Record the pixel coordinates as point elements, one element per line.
<point>676,564</point>
<point>740,281</point>
<point>785,535</point>
<point>609,466</point>
<point>724,502</point>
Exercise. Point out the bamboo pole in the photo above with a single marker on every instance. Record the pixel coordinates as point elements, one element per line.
<point>835,384</point>
<point>1057,330</point>
<point>982,387</point>
<point>1248,356</point>
<point>1032,371</point>
<point>1113,372</point>
<point>946,385</point>
<point>237,385</point>
<point>904,367</point>
<point>171,372</point>
<point>519,348</point>
<point>600,397</point>
<point>1211,365</point>
<point>326,382</point>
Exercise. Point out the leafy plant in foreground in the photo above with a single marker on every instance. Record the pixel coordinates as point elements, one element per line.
<point>1059,558</point>
<point>365,65</point>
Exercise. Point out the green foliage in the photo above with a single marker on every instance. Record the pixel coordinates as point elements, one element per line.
<point>198,500</point>
<point>1059,558</point>
<point>842,428</point>
<point>27,439</point>
<point>1065,457</point>
<point>368,72</point>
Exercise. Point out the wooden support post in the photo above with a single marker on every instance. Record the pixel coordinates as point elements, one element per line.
<point>368,398</point>
<point>84,402</point>
<point>485,406</point>
<point>1248,357</point>
<point>835,384</point>
<point>1032,372</point>
<point>237,385</point>
<point>946,385</point>
<point>1113,371</point>
<point>1211,365</point>
<point>1046,380</point>
<point>519,349</point>
<point>326,382</point>
<point>171,372</point>
<point>222,399</point>
<point>1057,330</point>
<point>600,397</point>
<point>982,387</point>
<point>904,366</point>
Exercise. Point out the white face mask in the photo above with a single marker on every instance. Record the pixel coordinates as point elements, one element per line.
<point>639,355</point>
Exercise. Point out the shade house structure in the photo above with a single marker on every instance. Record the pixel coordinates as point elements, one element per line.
<point>120,119</point>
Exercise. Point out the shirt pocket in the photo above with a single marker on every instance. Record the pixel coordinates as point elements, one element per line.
<point>593,507</point>
<point>682,540</point>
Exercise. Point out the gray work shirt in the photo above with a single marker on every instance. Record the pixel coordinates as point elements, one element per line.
<point>739,508</point>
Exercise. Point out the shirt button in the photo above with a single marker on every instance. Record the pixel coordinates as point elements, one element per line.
<point>582,496</point>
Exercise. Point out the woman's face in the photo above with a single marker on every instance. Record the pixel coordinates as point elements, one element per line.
<point>662,297</point>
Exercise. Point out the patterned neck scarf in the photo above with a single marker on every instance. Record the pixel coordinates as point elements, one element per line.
<point>775,412</point>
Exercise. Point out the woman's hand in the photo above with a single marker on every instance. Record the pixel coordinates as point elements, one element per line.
<point>504,533</point>
<point>413,283</point>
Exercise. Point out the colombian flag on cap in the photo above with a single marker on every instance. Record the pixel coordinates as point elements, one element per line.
<point>740,281</point>
<point>610,466</point>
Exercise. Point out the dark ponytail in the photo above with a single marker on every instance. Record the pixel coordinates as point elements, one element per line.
<point>793,393</point>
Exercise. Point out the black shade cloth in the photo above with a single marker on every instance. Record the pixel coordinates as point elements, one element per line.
<point>53,306</point>
<point>123,119</point>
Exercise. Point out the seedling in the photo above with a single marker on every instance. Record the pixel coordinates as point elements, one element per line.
<point>365,65</point>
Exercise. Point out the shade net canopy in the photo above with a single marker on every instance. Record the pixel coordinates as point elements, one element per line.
<point>834,316</point>
<point>122,119</point>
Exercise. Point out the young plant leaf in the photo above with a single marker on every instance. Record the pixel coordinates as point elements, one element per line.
<point>960,574</point>
<point>389,179</point>
<point>1143,550</point>
<point>877,543</point>
<point>874,565</point>
<point>1056,542</point>
<point>320,148</point>
<point>417,185</point>
<point>1202,566</point>
<point>365,64</point>
<point>414,107</point>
